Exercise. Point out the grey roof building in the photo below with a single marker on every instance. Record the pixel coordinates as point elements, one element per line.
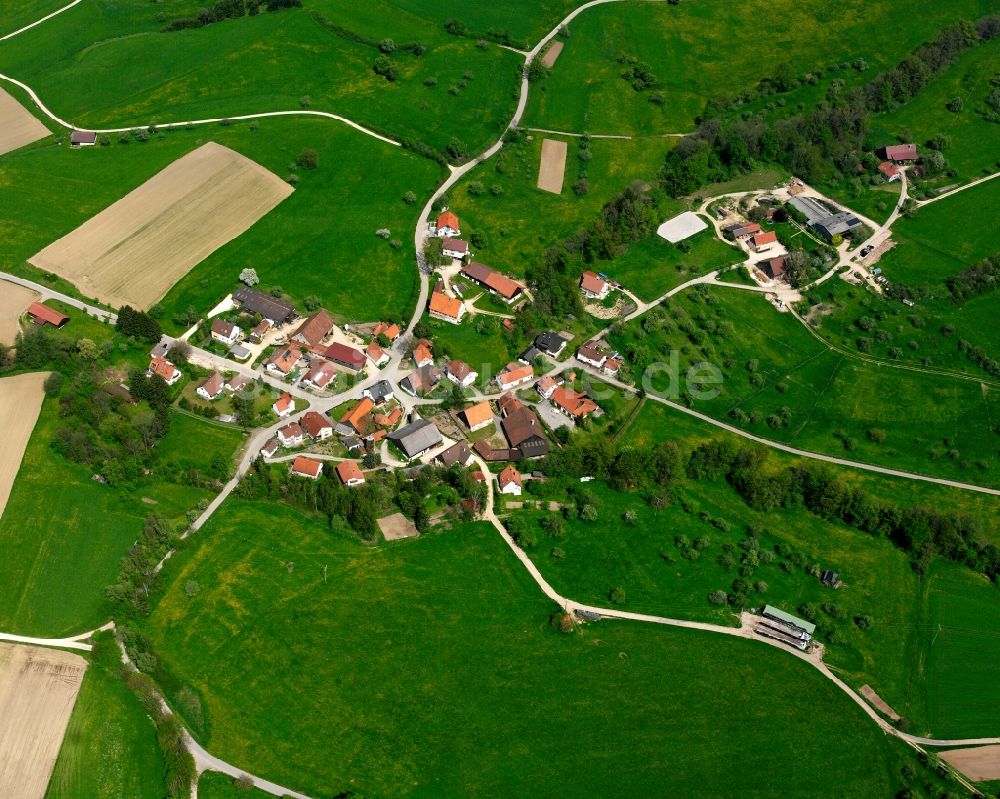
<point>417,437</point>
<point>379,392</point>
<point>837,225</point>
<point>256,302</point>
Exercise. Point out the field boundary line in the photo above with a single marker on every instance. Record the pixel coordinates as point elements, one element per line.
<point>46,18</point>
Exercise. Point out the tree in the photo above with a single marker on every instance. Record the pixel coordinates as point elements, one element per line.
<point>53,384</point>
<point>409,198</point>
<point>386,46</point>
<point>955,104</point>
<point>617,595</point>
<point>308,159</point>
<point>179,353</point>
<point>249,277</point>
<point>138,324</point>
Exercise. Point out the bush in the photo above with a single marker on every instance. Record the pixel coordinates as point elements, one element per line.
<point>308,159</point>
<point>617,595</point>
<point>718,597</point>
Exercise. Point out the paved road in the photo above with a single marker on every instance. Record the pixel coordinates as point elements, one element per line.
<point>40,21</point>
<point>72,642</point>
<point>49,293</point>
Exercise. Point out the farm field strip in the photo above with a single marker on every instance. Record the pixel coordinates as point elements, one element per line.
<point>14,301</point>
<point>38,688</point>
<point>17,126</point>
<point>135,250</point>
<point>20,403</point>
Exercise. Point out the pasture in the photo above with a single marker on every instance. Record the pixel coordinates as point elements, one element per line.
<point>38,688</point>
<point>18,127</point>
<point>110,747</point>
<point>20,402</point>
<point>446,612</point>
<point>500,200</point>
<point>780,382</point>
<point>95,527</point>
<point>294,59</point>
<point>215,785</point>
<point>681,43</point>
<point>14,301</point>
<point>133,252</point>
<point>17,13</point>
<point>340,248</point>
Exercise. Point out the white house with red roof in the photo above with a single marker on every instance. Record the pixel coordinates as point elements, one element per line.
<point>377,355</point>
<point>320,375</point>
<point>594,286</point>
<point>350,473</point>
<point>306,467</point>
<point>161,367</point>
<point>460,372</point>
<point>211,387</point>
<point>447,225</point>
<point>284,405</point>
<point>509,481</point>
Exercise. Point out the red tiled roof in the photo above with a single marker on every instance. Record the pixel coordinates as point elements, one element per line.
<point>315,328</point>
<point>162,367</point>
<point>355,416</point>
<point>284,402</point>
<point>478,413</point>
<point>212,384</point>
<point>307,466</point>
<point>391,332</point>
<point>455,245</point>
<point>314,424</point>
<point>575,403</point>
<point>422,354</point>
<point>768,237</point>
<point>901,152</point>
<point>508,403</point>
<point>447,219</point>
<point>43,314</point>
<point>513,373</point>
<point>592,282</point>
<point>445,305</point>
<point>507,476</point>
<point>321,374</point>
<point>349,470</point>
<point>459,369</point>
<point>285,359</point>
<point>343,354</point>
<point>888,169</point>
<point>492,279</point>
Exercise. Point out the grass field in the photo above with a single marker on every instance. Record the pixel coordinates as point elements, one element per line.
<point>681,44</point>
<point>487,352</point>
<point>327,224</point>
<point>110,748</point>
<point>16,13</point>
<point>782,383</point>
<point>214,785</point>
<point>263,63</point>
<point>522,221</point>
<point>936,244</point>
<point>455,634</point>
<point>963,649</point>
<point>653,266</point>
<point>63,534</point>
<point>975,142</point>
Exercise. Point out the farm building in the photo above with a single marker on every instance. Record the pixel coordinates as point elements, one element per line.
<point>312,331</point>
<point>350,473</point>
<point>446,308</point>
<point>82,138</point>
<point>900,153</point>
<point>276,311</point>
<point>355,418</point>
<point>594,286</point>
<point>416,438</point>
<point>307,467</point>
<point>524,433</point>
<point>492,281</point>
<point>763,241</point>
<point>43,315</point>
<point>781,626</point>
<point>478,416</point>
<point>820,218</point>
<point>345,356</point>
<point>774,268</point>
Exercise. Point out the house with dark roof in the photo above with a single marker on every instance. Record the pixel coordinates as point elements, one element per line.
<point>900,153</point>
<point>421,381</point>
<point>454,248</point>
<point>312,331</point>
<point>550,343</point>
<point>458,452</point>
<point>291,435</point>
<point>82,138</point>
<point>317,426</point>
<point>379,392</point>
<point>211,387</point>
<point>225,331</point>
<point>278,312</point>
<point>524,433</point>
<point>591,355</point>
<point>416,438</point>
<point>837,224</point>
<point>529,355</point>
<point>774,268</point>
<point>461,373</point>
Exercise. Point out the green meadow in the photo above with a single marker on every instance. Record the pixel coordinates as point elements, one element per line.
<point>519,221</point>
<point>17,13</point>
<point>63,534</point>
<point>318,242</point>
<point>214,785</point>
<point>975,142</point>
<point>281,61</point>
<point>780,382</point>
<point>683,43</point>
<point>437,665</point>
<point>653,266</point>
<point>110,747</point>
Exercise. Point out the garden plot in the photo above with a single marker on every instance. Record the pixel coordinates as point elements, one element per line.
<point>552,54</point>
<point>552,168</point>
<point>17,126</point>
<point>133,252</point>
<point>20,402</point>
<point>38,689</point>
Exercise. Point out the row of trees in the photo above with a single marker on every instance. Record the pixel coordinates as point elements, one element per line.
<point>818,144</point>
<point>138,324</point>
<point>229,9</point>
<point>977,279</point>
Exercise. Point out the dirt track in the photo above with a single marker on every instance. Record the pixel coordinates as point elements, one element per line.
<point>14,300</point>
<point>978,763</point>
<point>135,250</point>
<point>552,168</point>
<point>17,126</point>
<point>552,54</point>
<point>38,689</point>
<point>20,402</point>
